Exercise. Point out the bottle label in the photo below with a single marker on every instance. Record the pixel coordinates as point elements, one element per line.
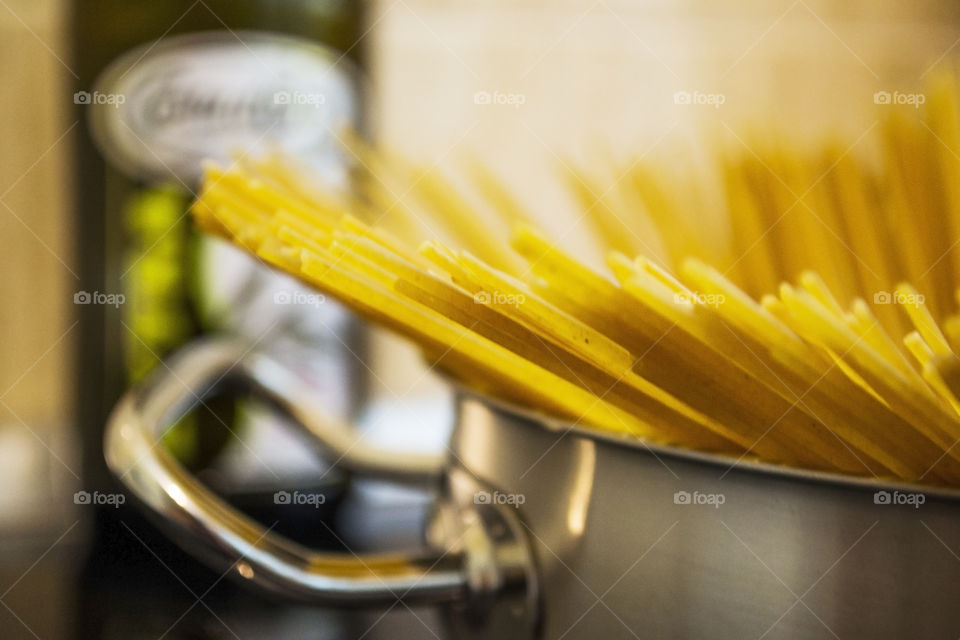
<point>164,108</point>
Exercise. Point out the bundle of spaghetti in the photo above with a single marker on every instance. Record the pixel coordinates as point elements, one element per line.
<point>718,354</point>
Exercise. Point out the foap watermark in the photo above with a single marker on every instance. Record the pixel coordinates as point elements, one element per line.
<point>897,297</point>
<point>99,499</point>
<point>899,97</point>
<point>697,498</point>
<point>499,298</point>
<point>699,98</point>
<point>900,498</point>
<point>96,297</point>
<point>112,99</point>
<point>692,297</point>
<point>299,298</point>
<point>496,497</point>
<point>315,100</point>
<point>299,498</point>
<point>515,100</point>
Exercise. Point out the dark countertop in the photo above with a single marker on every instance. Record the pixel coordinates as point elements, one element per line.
<point>111,574</point>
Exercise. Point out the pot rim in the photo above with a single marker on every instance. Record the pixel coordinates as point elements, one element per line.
<point>745,464</point>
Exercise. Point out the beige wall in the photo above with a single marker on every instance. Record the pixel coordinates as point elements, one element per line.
<point>36,283</point>
<point>602,74</point>
<point>35,249</point>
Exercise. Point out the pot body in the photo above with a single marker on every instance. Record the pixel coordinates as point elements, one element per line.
<point>545,530</point>
<point>638,542</point>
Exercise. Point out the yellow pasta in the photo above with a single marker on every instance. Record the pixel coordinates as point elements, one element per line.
<point>723,354</point>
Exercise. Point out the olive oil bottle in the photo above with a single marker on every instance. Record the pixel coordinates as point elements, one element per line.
<point>164,86</point>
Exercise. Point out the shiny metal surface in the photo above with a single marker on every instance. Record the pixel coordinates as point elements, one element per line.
<point>555,531</point>
<point>205,365</point>
<point>778,554</point>
<point>480,565</point>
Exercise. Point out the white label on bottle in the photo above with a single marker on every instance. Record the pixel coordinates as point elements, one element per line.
<point>214,95</point>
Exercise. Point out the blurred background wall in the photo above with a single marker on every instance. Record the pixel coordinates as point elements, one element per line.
<point>565,80</point>
<point>36,305</point>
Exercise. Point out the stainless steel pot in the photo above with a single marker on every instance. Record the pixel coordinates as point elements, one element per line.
<point>545,529</point>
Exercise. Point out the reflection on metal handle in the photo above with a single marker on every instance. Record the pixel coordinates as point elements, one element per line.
<point>198,371</point>
<point>480,557</point>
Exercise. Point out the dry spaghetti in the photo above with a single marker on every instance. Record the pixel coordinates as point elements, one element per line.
<point>666,347</point>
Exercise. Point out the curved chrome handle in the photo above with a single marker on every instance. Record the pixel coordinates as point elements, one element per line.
<point>481,562</point>
<point>206,365</point>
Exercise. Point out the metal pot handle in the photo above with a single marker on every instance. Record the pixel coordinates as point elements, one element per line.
<point>482,565</point>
